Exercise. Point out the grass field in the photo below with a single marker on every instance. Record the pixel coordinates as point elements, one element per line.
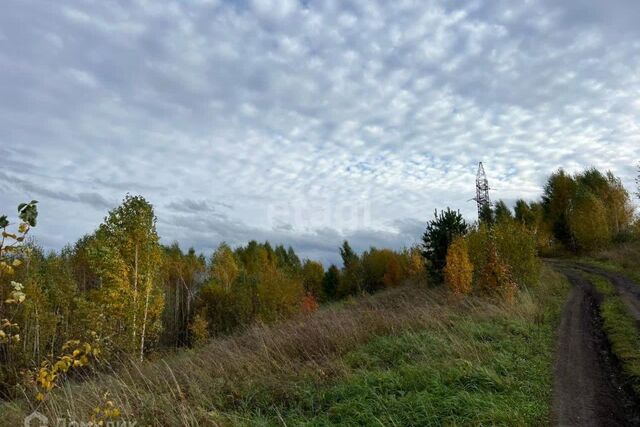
<point>408,356</point>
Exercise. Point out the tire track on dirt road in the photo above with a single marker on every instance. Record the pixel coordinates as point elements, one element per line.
<point>588,387</point>
<point>628,290</point>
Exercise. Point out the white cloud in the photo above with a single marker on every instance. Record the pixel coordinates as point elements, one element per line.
<point>307,105</point>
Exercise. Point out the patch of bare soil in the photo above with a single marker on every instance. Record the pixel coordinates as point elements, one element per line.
<point>588,388</point>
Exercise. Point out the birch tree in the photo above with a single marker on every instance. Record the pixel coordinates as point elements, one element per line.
<point>127,256</point>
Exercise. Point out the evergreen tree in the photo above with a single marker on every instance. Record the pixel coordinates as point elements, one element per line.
<point>486,215</point>
<point>351,280</point>
<point>294,261</point>
<point>440,232</point>
<point>524,213</point>
<point>331,282</point>
<point>502,212</point>
<point>349,257</point>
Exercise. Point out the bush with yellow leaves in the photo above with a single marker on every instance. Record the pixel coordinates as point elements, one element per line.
<point>495,278</point>
<point>9,331</point>
<point>106,413</point>
<point>11,252</point>
<point>458,271</point>
<point>77,355</point>
<point>199,330</point>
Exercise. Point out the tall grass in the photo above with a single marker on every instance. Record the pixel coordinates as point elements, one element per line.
<point>624,257</point>
<point>266,371</point>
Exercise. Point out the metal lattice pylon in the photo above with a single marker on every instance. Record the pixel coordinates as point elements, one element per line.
<point>482,191</point>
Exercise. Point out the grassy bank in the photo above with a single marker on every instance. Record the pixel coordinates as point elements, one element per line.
<point>407,356</point>
<point>621,329</point>
<point>623,258</point>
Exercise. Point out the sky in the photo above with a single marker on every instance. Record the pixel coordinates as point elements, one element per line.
<point>306,122</point>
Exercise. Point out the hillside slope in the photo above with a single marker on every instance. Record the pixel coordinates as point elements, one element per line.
<point>406,356</point>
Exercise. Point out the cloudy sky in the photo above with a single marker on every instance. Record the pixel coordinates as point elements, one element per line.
<point>303,121</point>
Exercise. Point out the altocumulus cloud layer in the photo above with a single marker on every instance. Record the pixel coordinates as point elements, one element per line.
<point>305,122</point>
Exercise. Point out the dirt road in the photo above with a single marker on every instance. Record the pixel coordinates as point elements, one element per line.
<point>626,288</point>
<point>588,387</point>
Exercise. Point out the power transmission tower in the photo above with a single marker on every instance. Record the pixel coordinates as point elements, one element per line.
<point>482,191</point>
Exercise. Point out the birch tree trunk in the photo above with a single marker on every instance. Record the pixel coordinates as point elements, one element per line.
<point>135,295</point>
<point>144,321</point>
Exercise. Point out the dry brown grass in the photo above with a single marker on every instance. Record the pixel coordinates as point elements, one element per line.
<point>626,255</point>
<point>260,365</point>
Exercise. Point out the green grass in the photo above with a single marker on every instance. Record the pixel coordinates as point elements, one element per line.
<point>434,379</point>
<point>620,328</point>
<point>491,372</point>
<point>405,357</point>
<point>623,334</point>
<point>622,258</point>
<point>602,285</point>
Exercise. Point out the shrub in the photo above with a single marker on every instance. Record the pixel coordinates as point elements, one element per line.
<point>458,272</point>
<point>199,330</point>
<point>416,270</point>
<point>309,304</point>
<point>226,310</point>
<point>495,277</point>
<point>516,245</point>
<point>477,245</point>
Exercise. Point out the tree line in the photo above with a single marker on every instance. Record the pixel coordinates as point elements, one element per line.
<point>498,254</point>
<point>119,293</point>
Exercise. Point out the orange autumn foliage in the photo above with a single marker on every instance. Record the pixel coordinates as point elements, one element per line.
<point>309,304</point>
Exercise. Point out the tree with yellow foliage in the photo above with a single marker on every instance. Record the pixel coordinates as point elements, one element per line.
<point>588,222</point>
<point>224,269</point>
<point>126,254</point>
<point>458,271</point>
<point>416,269</point>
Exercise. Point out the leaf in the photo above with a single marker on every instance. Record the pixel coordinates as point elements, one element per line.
<point>29,213</point>
<point>4,222</point>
